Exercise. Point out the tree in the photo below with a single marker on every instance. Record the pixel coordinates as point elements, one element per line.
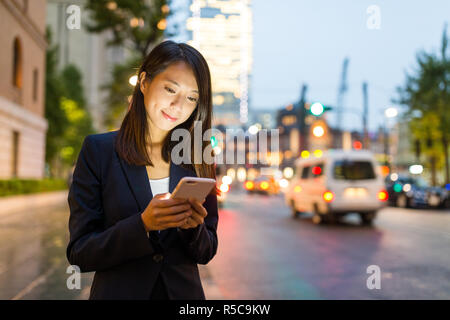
<point>68,120</point>
<point>426,93</point>
<point>136,25</point>
<point>54,90</point>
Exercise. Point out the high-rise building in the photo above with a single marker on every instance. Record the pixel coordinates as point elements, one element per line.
<point>22,109</point>
<point>222,31</point>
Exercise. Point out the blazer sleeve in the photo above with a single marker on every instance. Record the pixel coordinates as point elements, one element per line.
<point>201,242</point>
<point>91,246</point>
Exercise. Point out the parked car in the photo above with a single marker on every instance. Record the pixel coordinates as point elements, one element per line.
<point>410,192</point>
<point>263,184</point>
<point>338,183</point>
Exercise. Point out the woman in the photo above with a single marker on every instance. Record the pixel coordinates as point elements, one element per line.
<point>123,226</point>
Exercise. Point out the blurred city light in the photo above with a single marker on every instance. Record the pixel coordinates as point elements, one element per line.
<point>231,173</point>
<point>382,195</point>
<point>316,170</point>
<point>278,174</point>
<point>162,24</point>
<point>317,109</point>
<point>357,145</point>
<point>384,170</point>
<point>328,196</point>
<point>297,189</point>
<point>288,172</point>
<point>283,183</point>
<point>249,185</point>
<point>318,153</point>
<point>264,185</point>
<point>305,154</point>
<point>111,5</point>
<point>394,177</point>
<point>217,150</point>
<point>318,131</point>
<point>407,187</point>
<point>391,112</point>
<point>241,174</point>
<point>253,129</point>
<point>227,180</point>
<point>416,169</point>
<point>133,80</point>
<point>214,142</point>
<point>224,187</point>
<point>397,187</point>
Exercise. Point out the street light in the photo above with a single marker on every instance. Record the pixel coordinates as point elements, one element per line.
<point>391,112</point>
<point>133,80</point>
<point>318,131</point>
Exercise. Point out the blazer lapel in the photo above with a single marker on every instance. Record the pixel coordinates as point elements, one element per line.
<point>137,179</point>
<point>138,182</point>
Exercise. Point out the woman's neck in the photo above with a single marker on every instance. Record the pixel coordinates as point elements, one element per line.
<point>157,137</point>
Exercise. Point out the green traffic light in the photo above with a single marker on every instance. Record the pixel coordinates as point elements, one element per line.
<point>317,109</point>
<point>213,142</point>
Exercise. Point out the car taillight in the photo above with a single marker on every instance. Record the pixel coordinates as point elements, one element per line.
<point>382,195</point>
<point>249,185</point>
<point>328,196</point>
<point>264,185</point>
<point>224,187</point>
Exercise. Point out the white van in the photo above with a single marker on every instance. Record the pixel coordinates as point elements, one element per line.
<point>337,183</point>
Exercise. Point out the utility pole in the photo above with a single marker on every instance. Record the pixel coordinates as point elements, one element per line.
<point>301,119</point>
<point>340,101</point>
<point>365,116</point>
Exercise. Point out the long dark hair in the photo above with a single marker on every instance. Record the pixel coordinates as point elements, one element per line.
<point>133,137</point>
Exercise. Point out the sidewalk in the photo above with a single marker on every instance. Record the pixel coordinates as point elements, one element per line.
<point>34,203</point>
<point>12,204</point>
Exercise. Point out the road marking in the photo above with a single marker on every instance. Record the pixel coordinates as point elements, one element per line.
<point>35,283</point>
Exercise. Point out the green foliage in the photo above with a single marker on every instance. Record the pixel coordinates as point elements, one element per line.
<point>426,94</point>
<point>68,120</point>
<point>27,186</point>
<point>136,25</point>
<point>119,91</point>
<point>54,90</point>
<point>133,23</point>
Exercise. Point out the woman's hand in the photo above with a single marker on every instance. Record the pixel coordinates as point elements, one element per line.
<point>198,214</point>
<point>163,213</point>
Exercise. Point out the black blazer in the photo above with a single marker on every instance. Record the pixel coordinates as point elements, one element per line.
<point>106,199</point>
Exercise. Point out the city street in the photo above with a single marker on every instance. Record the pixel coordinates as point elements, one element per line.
<point>263,254</point>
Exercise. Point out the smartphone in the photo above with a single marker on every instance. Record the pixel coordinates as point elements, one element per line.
<point>193,187</point>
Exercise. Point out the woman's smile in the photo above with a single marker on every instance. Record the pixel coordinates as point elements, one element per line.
<point>169,117</point>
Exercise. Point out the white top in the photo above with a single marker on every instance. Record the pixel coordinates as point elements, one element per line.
<point>159,186</point>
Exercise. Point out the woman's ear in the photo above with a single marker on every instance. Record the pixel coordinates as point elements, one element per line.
<point>142,83</point>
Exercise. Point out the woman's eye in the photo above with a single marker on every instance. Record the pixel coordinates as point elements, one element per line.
<point>192,99</point>
<point>170,90</point>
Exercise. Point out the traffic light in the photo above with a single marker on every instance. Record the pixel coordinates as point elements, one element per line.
<point>317,109</point>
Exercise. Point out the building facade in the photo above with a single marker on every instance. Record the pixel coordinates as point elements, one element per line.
<point>22,107</point>
<point>222,32</point>
<point>87,51</point>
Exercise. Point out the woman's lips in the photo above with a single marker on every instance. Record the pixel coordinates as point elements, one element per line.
<point>168,117</point>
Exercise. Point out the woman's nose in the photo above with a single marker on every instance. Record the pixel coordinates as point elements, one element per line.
<point>177,103</point>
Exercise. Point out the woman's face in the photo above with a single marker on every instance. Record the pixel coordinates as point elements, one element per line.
<point>171,96</point>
